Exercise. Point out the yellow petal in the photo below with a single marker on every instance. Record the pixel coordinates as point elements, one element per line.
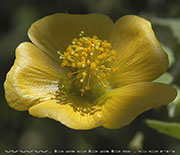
<point>55,32</point>
<point>122,105</point>
<point>140,56</point>
<point>77,113</point>
<point>33,78</point>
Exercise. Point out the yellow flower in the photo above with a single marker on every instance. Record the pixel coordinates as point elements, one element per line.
<point>86,71</point>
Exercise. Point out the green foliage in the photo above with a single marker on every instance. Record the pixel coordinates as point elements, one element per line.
<point>171,129</point>
<point>165,78</point>
<point>170,55</point>
<point>174,107</point>
<point>173,24</point>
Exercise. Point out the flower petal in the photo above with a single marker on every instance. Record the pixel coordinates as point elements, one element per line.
<point>122,105</point>
<point>77,113</point>
<point>140,56</point>
<point>55,32</point>
<point>34,77</point>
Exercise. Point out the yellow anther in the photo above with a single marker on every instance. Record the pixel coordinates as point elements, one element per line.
<point>75,39</point>
<point>85,38</point>
<point>107,45</point>
<point>87,87</point>
<point>65,63</point>
<point>83,65</point>
<point>76,55</point>
<point>85,50</point>
<point>79,44</point>
<point>113,52</point>
<point>102,67</point>
<point>104,75</point>
<point>69,58</point>
<point>88,42</point>
<point>66,54</point>
<point>73,65</point>
<point>90,50</point>
<point>81,40</point>
<point>100,57</point>
<point>82,91</point>
<point>82,80</point>
<point>79,64</point>
<point>83,58</point>
<point>84,74</point>
<point>101,49</point>
<point>86,56</point>
<point>93,65</point>
<point>61,57</point>
<point>78,76</point>
<point>105,86</point>
<point>72,52</point>
<point>113,69</point>
<point>82,32</point>
<point>97,47</point>
<point>95,37</point>
<point>91,53</point>
<point>99,77</point>
<point>88,62</point>
<point>108,69</point>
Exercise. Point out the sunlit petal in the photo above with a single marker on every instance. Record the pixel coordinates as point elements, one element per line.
<point>76,113</point>
<point>140,56</point>
<point>33,78</point>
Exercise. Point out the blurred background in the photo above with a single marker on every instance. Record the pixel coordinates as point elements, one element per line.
<point>19,130</point>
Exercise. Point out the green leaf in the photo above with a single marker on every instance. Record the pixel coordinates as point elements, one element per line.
<point>171,129</point>
<point>174,107</point>
<point>172,23</point>
<point>166,78</point>
<point>170,54</point>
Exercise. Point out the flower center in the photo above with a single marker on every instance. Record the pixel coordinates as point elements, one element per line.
<point>87,58</point>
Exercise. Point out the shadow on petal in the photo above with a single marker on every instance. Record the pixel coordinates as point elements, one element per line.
<point>72,111</point>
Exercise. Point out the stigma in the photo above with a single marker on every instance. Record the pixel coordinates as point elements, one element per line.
<point>87,58</point>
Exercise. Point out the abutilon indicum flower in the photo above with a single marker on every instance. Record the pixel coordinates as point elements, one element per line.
<point>86,71</point>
